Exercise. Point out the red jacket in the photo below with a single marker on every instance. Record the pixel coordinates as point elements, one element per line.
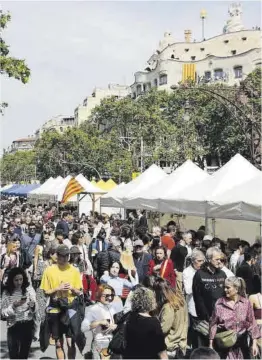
<point>169,273</point>
<point>89,285</point>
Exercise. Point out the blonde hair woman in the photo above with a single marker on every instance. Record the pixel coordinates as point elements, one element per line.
<point>234,312</point>
<point>173,317</point>
<point>10,260</point>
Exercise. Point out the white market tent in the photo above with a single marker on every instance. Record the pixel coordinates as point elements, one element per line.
<point>125,193</point>
<point>194,200</point>
<point>49,189</point>
<point>89,188</point>
<point>108,200</point>
<point>161,196</point>
<point>242,202</point>
<point>147,179</point>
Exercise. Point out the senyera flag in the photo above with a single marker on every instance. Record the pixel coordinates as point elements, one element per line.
<point>72,188</point>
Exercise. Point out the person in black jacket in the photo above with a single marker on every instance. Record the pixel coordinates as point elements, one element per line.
<point>178,255</point>
<point>63,224</point>
<point>109,256</point>
<point>208,287</point>
<point>246,270</point>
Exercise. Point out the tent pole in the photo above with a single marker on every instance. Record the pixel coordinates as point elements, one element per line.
<point>214,227</point>
<point>206,225</point>
<point>93,203</point>
<point>78,205</point>
<point>206,220</point>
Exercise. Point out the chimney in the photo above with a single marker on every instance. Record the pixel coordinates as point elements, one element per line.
<point>188,34</point>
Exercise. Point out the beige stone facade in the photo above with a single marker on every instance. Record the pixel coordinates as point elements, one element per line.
<point>226,58</point>
<point>83,112</point>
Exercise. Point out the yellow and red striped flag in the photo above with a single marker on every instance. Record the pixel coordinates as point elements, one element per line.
<point>72,188</point>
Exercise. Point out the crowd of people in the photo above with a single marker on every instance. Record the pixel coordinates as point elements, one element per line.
<point>116,289</point>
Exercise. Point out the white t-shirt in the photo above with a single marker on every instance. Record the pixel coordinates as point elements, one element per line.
<point>99,312</point>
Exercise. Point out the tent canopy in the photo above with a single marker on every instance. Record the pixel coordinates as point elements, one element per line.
<point>10,189</point>
<point>109,199</point>
<point>42,187</point>
<point>148,178</point>
<point>162,195</point>
<point>243,202</point>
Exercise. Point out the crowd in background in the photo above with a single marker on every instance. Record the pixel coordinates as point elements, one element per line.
<point>117,289</point>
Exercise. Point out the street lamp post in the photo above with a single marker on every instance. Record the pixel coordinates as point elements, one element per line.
<point>83,164</point>
<point>203,15</point>
<point>224,100</point>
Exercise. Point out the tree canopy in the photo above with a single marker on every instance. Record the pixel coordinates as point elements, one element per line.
<point>203,123</point>
<point>10,66</point>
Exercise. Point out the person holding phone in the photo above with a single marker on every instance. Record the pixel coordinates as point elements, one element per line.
<point>61,282</point>
<point>18,308</point>
<point>99,318</point>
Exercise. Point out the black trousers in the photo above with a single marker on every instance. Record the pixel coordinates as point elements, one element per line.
<point>19,339</point>
<point>192,336</point>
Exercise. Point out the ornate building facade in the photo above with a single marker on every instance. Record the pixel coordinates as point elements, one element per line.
<point>227,57</point>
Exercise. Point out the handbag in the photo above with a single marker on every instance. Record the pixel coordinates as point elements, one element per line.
<point>225,339</point>
<point>202,327</point>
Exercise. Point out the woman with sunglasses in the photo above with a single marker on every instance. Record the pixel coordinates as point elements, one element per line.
<point>99,318</point>
<point>223,266</point>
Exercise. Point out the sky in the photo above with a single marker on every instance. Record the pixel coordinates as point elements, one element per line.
<point>72,47</point>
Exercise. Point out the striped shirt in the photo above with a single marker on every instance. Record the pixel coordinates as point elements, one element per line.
<point>20,313</point>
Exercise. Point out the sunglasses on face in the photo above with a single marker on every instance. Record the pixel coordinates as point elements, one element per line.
<point>108,296</point>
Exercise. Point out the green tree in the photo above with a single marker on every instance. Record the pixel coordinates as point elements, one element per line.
<point>18,167</point>
<point>10,66</point>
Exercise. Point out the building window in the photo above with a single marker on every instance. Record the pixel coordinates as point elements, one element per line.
<point>202,49</point>
<point>155,82</point>
<point>226,41</point>
<point>233,52</point>
<point>193,58</point>
<point>172,56</point>
<point>244,38</point>
<point>207,75</point>
<point>134,95</point>
<point>139,89</point>
<point>144,87</point>
<point>186,50</point>
<point>238,70</point>
<point>218,74</point>
<point>163,79</point>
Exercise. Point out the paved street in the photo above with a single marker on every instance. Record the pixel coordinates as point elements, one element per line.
<point>36,353</point>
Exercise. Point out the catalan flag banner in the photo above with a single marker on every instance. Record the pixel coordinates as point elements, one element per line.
<point>72,188</point>
<point>188,72</point>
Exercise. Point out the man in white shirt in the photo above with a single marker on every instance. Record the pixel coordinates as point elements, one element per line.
<point>236,255</point>
<point>197,259</point>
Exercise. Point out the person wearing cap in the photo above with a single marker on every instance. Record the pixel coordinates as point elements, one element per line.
<point>61,281</point>
<point>141,260</point>
<point>75,258</point>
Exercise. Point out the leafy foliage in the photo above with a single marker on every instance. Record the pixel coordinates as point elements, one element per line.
<point>18,167</point>
<point>9,65</point>
<point>203,123</point>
